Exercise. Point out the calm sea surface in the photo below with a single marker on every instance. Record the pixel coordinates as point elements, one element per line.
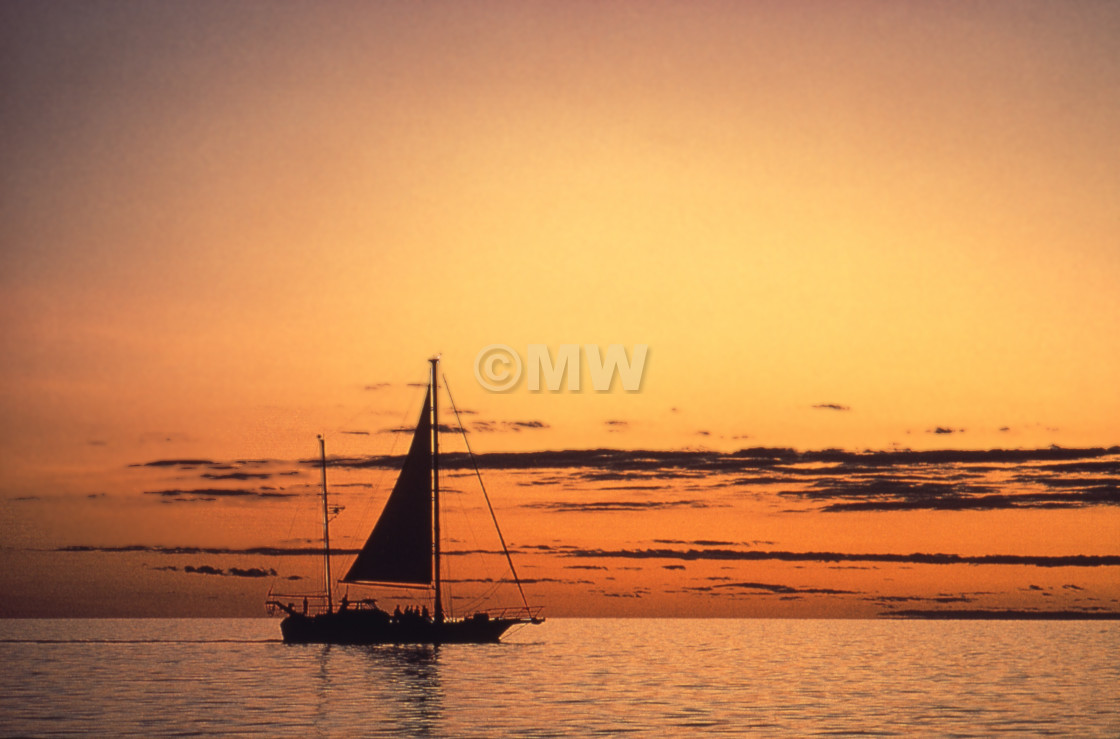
<point>569,677</point>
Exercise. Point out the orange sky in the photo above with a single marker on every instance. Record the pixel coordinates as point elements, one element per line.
<point>220,223</point>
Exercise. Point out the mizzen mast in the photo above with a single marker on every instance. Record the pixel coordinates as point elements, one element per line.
<point>326,525</point>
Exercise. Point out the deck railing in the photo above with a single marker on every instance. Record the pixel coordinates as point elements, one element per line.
<point>313,604</point>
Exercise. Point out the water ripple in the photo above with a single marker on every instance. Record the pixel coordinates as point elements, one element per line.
<point>569,677</point>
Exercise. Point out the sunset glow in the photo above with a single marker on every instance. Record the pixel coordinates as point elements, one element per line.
<point>868,227</point>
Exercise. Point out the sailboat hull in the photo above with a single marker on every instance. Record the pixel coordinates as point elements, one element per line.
<point>366,627</point>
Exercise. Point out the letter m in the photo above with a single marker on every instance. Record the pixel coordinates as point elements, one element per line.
<point>539,361</point>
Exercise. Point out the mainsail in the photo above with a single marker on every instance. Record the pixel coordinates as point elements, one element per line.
<point>399,550</point>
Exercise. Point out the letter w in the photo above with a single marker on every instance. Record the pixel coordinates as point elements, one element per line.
<point>602,372</point>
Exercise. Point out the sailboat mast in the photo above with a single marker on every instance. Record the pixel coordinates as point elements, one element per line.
<point>326,524</point>
<point>435,489</point>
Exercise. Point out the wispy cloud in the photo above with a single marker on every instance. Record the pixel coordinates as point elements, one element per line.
<point>263,551</point>
<point>616,505</point>
<point>707,542</point>
<point>832,407</point>
<point>255,572</point>
<point>767,588</point>
<point>443,429</point>
<point>291,551</point>
<point>1072,499</point>
<point>833,481</point>
<point>188,463</point>
<point>884,600</point>
<point>488,427</point>
<point>523,580</point>
<point>237,476</point>
<point>211,494</point>
<point>1005,614</point>
<point>1078,560</point>
<point>476,426</point>
<point>912,489</point>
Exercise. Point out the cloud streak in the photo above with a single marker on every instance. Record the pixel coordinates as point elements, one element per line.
<point>176,550</point>
<point>1004,615</point>
<point>744,460</point>
<point>252,572</point>
<point>212,494</point>
<point>734,555</point>
<point>766,588</point>
<point>617,505</point>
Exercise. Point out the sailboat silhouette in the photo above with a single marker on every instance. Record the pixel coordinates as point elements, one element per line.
<point>403,550</point>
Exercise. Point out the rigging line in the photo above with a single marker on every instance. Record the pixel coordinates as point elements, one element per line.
<point>478,473</point>
<point>484,597</point>
<point>297,513</point>
<point>369,409</point>
<point>467,522</point>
